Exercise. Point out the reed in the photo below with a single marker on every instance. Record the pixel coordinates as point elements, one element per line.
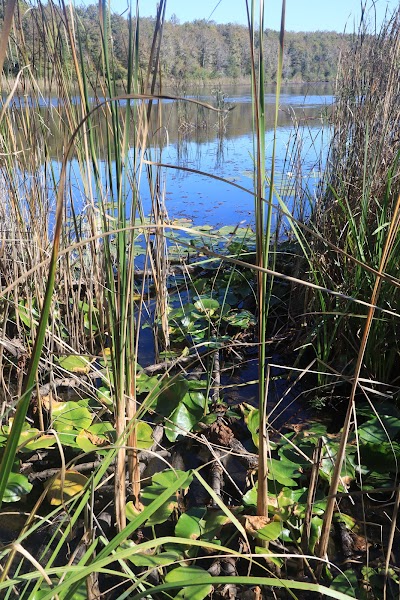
<point>357,204</point>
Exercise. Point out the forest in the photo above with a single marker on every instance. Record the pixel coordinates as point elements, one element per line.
<point>198,51</point>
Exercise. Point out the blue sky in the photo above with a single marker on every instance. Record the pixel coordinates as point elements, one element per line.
<point>301,15</point>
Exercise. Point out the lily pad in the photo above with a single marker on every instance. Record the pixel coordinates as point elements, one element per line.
<point>62,490</point>
<point>76,363</point>
<point>161,482</point>
<point>182,575</point>
<point>17,486</point>
<point>69,415</point>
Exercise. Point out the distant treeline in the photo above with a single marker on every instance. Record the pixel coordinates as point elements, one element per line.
<point>200,50</point>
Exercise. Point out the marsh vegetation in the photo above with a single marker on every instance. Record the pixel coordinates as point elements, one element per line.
<point>192,408</point>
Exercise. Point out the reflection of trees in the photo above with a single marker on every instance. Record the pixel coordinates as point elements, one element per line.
<point>187,123</point>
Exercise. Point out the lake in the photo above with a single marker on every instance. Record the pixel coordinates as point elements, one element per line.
<point>193,139</point>
<point>301,144</point>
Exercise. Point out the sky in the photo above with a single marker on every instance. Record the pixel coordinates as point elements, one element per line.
<point>301,15</point>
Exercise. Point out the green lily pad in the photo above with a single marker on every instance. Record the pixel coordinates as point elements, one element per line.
<point>191,524</point>
<point>186,416</point>
<point>144,435</point>
<point>69,415</point>
<point>161,482</point>
<point>76,363</point>
<point>17,486</point>
<point>378,431</point>
<point>207,305</point>
<point>283,472</point>
<point>155,560</point>
<point>182,575</point>
<point>270,532</point>
<point>96,436</point>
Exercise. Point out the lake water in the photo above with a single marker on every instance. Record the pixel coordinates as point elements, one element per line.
<point>192,139</point>
<point>301,144</point>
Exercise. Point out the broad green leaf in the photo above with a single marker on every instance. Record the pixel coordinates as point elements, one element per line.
<point>30,438</point>
<point>207,305</point>
<point>172,392</point>
<point>184,418</point>
<point>27,315</point>
<point>315,532</point>
<point>182,575</point>
<point>161,482</point>
<point>242,319</point>
<point>250,497</point>
<point>17,486</point>
<point>380,457</point>
<point>155,560</point>
<point>104,395</point>
<point>35,443</point>
<point>274,559</point>
<point>347,583</point>
<point>76,363</point>
<point>144,434</point>
<point>283,472</point>
<point>270,532</point>
<point>191,524</point>
<point>377,431</point>
<point>252,420</point>
<point>70,414</point>
<point>95,436</point>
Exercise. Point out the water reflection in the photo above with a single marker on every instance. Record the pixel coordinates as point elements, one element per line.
<point>196,138</point>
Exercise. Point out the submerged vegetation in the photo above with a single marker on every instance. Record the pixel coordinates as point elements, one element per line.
<point>149,365</point>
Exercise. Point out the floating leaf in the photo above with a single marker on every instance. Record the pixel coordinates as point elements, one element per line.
<point>186,415</point>
<point>17,486</point>
<point>270,532</point>
<point>283,472</point>
<point>207,305</point>
<point>76,363</point>
<point>346,583</point>
<point>155,560</point>
<point>181,575</point>
<point>94,437</point>
<point>191,524</point>
<point>70,414</point>
<point>61,490</point>
<point>242,319</point>
<point>144,435</point>
<point>274,559</point>
<point>31,443</point>
<point>161,482</point>
<point>378,431</point>
<point>171,393</point>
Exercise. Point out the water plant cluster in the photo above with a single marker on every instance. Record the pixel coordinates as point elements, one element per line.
<point>149,367</point>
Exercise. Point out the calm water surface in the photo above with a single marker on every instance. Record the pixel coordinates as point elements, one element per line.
<point>193,138</point>
<point>301,144</point>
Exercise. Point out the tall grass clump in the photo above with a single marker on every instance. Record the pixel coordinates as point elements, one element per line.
<point>356,206</point>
